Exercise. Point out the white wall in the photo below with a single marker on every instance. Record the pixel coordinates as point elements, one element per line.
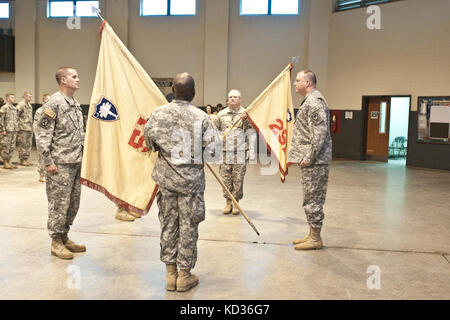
<point>224,50</point>
<point>409,55</point>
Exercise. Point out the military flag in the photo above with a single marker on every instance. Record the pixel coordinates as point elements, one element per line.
<point>271,115</point>
<point>116,160</point>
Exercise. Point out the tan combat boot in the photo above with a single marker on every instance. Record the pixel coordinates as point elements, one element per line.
<point>186,280</point>
<point>304,239</point>
<point>314,242</point>
<point>235,209</point>
<point>13,166</point>
<point>7,165</point>
<point>72,246</point>
<point>123,215</point>
<point>134,214</point>
<point>41,177</point>
<point>58,249</point>
<point>171,277</point>
<point>227,208</point>
<point>25,163</point>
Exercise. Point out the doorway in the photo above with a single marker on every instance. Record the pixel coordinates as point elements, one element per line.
<point>398,130</point>
<point>385,128</point>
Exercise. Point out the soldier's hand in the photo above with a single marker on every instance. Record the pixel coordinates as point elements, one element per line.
<point>4,133</point>
<point>244,115</point>
<point>304,163</point>
<point>52,168</point>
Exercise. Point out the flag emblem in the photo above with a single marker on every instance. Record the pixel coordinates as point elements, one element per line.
<point>105,110</point>
<point>289,116</point>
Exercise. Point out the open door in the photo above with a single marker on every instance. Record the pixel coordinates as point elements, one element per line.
<point>378,129</point>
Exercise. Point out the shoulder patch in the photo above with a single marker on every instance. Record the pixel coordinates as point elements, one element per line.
<point>316,118</point>
<point>50,113</point>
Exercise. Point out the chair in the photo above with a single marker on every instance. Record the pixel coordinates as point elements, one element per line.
<point>397,149</point>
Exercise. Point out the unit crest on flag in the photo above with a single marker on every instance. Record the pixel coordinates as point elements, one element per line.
<point>105,110</point>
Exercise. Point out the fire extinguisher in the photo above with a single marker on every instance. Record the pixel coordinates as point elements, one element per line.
<point>333,125</point>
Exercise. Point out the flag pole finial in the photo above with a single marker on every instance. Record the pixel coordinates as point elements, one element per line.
<point>295,59</point>
<point>97,11</point>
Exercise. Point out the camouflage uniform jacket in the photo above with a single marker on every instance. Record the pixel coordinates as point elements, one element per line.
<point>180,132</point>
<point>60,132</point>
<point>311,139</point>
<point>8,118</point>
<point>25,113</point>
<point>37,117</point>
<point>224,121</point>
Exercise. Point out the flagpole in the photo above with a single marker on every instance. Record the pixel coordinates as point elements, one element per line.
<point>97,12</point>
<point>232,198</point>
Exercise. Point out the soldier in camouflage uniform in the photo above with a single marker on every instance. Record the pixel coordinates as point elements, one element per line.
<point>25,134</point>
<point>60,140</point>
<point>235,149</point>
<point>311,148</point>
<point>8,129</point>
<point>175,130</point>
<point>37,116</point>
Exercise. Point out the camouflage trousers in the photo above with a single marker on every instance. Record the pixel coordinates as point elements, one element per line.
<point>8,145</point>
<point>63,194</point>
<point>179,216</point>
<point>314,185</point>
<point>24,141</point>
<point>233,178</point>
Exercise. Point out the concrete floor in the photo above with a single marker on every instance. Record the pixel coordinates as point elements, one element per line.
<point>377,215</point>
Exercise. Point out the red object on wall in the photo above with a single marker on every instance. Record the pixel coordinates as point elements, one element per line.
<point>335,121</point>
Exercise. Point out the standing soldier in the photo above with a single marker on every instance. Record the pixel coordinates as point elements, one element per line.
<point>59,140</point>
<point>235,149</point>
<point>37,116</point>
<point>181,180</point>
<point>311,148</point>
<point>25,134</point>
<point>8,128</point>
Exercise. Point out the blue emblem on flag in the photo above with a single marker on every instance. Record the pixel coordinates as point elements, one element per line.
<point>105,110</point>
<point>289,116</point>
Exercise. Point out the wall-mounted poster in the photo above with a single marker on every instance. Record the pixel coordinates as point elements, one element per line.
<point>433,119</point>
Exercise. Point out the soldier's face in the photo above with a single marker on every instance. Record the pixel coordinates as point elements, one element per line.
<point>11,99</point>
<point>234,101</point>
<point>301,84</point>
<point>71,80</point>
<point>27,97</point>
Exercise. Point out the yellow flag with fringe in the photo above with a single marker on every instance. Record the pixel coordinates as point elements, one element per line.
<point>116,160</point>
<point>271,115</point>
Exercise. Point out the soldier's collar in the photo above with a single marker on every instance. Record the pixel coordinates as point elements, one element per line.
<point>311,92</point>
<point>235,110</point>
<point>181,101</point>
<point>72,104</point>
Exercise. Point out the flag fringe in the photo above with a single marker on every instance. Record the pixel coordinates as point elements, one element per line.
<point>283,173</point>
<point>118,201</point>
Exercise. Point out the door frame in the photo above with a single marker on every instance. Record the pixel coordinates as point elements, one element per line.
<point>365,115</point>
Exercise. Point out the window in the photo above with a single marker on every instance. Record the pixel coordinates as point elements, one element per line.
<point>168,7</point>
<point>269,7</point>
<point>383,118</point>
<point>4,10</point>
<point>351,4</point>
<point>79,8</point>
